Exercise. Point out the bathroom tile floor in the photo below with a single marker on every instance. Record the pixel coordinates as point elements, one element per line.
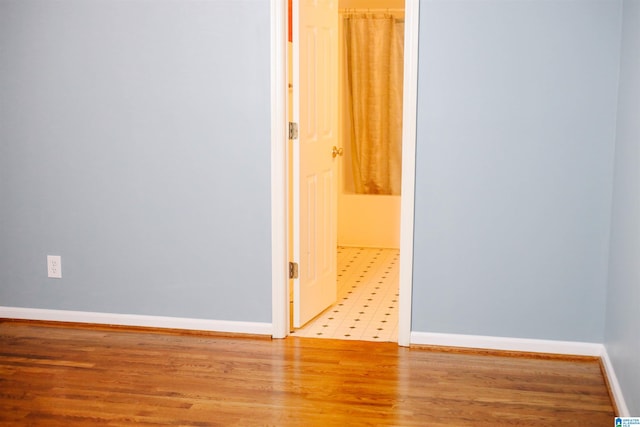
<point>367,305</point>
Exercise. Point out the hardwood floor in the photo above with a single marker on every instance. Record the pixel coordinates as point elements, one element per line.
<point>52,375</point>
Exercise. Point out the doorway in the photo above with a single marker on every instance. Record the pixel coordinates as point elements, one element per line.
<point>369,50</point>
<point>280,217</point>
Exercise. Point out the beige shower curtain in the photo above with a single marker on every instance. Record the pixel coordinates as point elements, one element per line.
<point>373,49</point>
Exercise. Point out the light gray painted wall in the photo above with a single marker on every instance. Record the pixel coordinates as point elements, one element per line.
<point>516,125</point>
<point>622,337</point>
<point>134,142</point>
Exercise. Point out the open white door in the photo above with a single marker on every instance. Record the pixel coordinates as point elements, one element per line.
<point>315,109</point>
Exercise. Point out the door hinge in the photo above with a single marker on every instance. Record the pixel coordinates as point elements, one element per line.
<point>293,270</point>
<point>293,130</point>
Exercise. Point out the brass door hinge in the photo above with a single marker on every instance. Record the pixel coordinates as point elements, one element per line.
<point>293,130</point>
<point>293,270</point>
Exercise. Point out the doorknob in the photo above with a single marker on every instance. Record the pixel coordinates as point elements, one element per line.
<point>336,152</point>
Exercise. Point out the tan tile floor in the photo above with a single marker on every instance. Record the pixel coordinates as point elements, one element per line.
<point>367,306</point>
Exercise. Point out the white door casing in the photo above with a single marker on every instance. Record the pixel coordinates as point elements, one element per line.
<point>315,107</point>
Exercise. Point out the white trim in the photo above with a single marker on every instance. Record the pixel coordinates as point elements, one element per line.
<point>407,211</point>
<point>279,276</point>
<point>224,326</point>
<point>508,344</point>
<point>614,385</point>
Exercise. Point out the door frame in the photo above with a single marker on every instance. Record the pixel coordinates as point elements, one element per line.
<point>279,171</point>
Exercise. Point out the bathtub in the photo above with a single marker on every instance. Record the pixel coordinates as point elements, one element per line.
<point>368,220</point>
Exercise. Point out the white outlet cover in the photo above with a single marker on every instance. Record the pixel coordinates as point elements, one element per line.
<point>54,266</point>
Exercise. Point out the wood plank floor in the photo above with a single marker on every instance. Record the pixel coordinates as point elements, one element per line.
<point>52,375</point>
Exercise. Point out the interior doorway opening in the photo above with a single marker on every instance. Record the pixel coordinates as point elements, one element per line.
<point>282,185</point>
<point>369,91</point>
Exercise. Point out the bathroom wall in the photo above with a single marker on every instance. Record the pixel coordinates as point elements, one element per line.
<point>134,142</point>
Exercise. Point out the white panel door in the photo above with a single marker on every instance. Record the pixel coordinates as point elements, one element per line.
<point>315,108</point>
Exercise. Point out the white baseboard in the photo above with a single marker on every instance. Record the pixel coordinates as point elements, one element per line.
<point>508,344</point>
<point>614,385</point>
<point>224,326</point>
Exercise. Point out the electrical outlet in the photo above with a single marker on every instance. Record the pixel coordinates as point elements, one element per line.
<point>54,266</point>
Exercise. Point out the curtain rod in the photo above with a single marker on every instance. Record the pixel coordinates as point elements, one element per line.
<point>398,14</point>
<point>370,9</point>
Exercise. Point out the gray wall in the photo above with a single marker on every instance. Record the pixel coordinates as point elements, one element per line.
<point>134,142</point>
<point>516,127</point>
<point>622,336</point>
